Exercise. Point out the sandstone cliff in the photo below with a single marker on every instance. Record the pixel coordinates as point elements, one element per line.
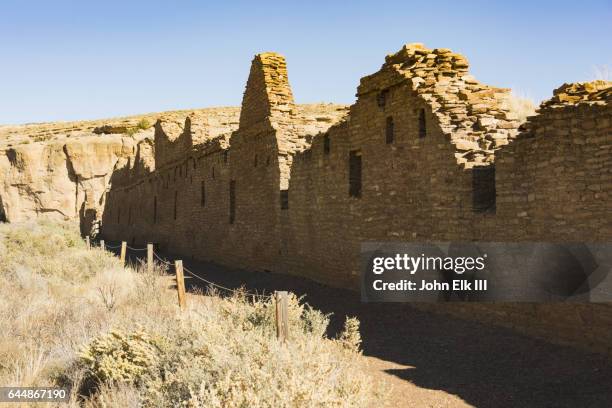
<point>53,169</point>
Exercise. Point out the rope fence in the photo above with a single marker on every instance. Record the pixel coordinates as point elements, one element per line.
<point>194,275</point>
<point>280,297</point>
<point>136,249</point>
<point>160,259</point>
<point>233,291</point>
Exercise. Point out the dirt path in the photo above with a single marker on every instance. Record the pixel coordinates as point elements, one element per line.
<point>432,360</point>
<point>401,393</point>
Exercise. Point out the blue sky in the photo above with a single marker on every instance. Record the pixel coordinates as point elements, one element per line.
<point>67,60</point>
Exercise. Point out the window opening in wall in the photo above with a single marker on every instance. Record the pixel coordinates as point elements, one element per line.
<point>483,189</point>
<point>326,144</point>
<point>175,203</point>
<point>203,194</point>
<point>284,199</point>
<point>155,210</point>
<point>389,130</point>
<point>355,173</point>
<point>194,163</point>
<point>422,124</point>
<point>381,98</point>
<point>232,201</point>
<point>268,161</point>
<point>255,161</point>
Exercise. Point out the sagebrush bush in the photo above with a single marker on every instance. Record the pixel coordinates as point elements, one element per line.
<point>119,356</point>
<point>56,327</point>
<point>350,338</point>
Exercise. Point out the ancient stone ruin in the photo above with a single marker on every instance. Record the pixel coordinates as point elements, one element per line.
<point>426,153</point>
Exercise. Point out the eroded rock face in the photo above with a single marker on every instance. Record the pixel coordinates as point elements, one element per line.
<point>62,170</point>
<point>60,179</point>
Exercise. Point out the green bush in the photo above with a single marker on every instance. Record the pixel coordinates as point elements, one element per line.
<point>143,124</point>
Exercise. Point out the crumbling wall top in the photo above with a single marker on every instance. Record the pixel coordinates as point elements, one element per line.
<point>565,99</point>
<point>594,92</point>
<point>476,118</point>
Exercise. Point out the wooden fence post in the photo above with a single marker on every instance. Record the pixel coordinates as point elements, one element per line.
<point>282,315</point>
<point>180,283</point>
<point>87,242</point>
<point>150,258</point>
<point>123,251</point>
<point>102,246</point>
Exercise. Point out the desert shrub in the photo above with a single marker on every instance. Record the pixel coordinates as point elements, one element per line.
<point>521,105</point>
<point>42,138</point>
<point>56,328</point>
<point>262,315</point>
<point>51,249</point>
<point>206,361</point>
<point>149,287</point>
<point>119,356</point>
<point>143,124</point>
<point>350,338</point>
<point>115,396</point>
<point>300,315</point>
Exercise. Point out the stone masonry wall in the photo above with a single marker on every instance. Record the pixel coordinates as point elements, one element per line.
<point>426,153</point>
<point>553,184</point>
<point>555,180</point>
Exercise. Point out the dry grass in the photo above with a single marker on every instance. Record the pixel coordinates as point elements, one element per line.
<point>74,316</point>
<point>521,105</point>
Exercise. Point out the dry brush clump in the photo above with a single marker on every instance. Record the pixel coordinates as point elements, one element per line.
<point>521,105</point>
<point>72,316</point>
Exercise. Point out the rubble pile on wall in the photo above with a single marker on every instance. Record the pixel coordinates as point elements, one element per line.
<point>594,92</point>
